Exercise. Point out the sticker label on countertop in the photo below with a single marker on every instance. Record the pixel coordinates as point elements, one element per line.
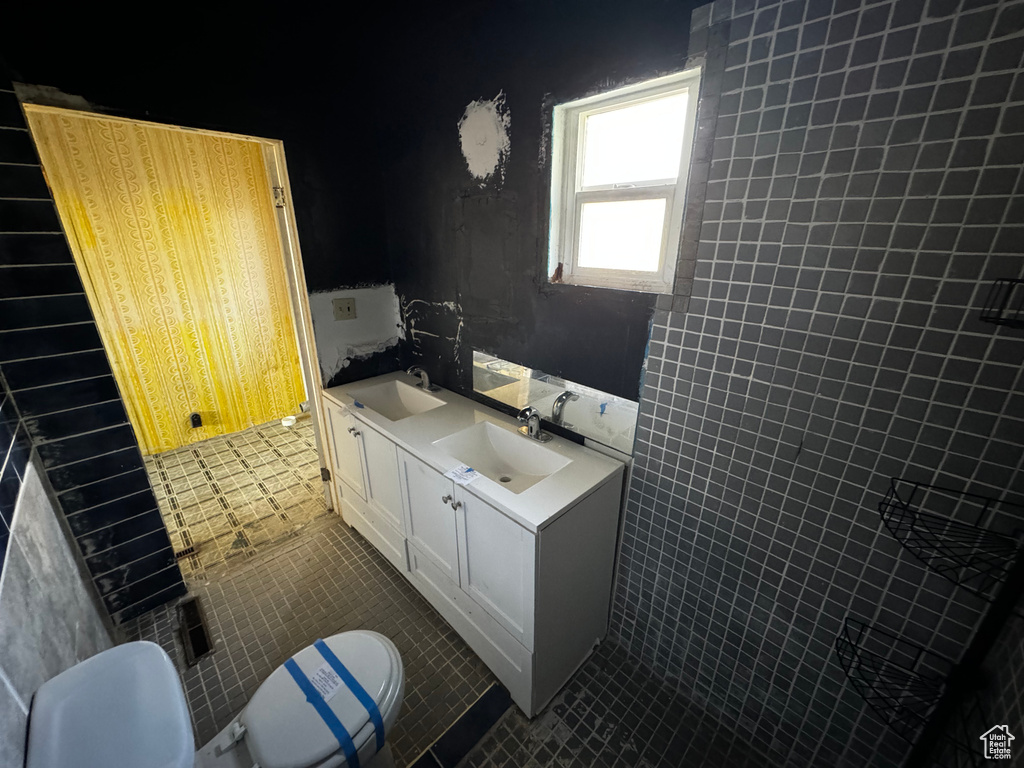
<point>326,681</point>
<point>462,474</point>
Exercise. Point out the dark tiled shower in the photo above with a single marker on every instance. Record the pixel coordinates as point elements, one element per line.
<point>863,192</point>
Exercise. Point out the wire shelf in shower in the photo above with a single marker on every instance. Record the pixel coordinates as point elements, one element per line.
<point>1005,303</point>
<point>949,531</point>
<point>899,680</point>
<point>902,682</point>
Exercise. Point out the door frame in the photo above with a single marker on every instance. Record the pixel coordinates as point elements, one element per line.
<point>302,317</point>
<point>298,294</point>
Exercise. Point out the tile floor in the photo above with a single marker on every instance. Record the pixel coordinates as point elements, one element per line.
<point>613,713</point>
<point>274,570</point>
<point>227,496</point>
<point>328,579</point>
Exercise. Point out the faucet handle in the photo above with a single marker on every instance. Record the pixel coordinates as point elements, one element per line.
<point>528,413</point>
<point>424,384</point>
<point>530,417</point>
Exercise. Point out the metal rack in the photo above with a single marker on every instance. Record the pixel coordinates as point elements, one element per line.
<point>898,679</point>
<point>904,684</point>
<point>931,701</point>
<point>1005,303</point>
<point>963,549</point>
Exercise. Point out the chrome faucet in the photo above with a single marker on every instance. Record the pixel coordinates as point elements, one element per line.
<point>559,405</point>
<point>424,379</point>
<point>530,417</point>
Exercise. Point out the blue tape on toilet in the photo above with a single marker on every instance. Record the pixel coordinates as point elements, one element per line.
<point>326,713</point>
<point>353,685</point>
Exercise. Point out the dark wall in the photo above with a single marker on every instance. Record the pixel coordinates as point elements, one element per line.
<point>61,383</point>
<point>291,77</point>
<point>484,246</point>
<point>865,189</point>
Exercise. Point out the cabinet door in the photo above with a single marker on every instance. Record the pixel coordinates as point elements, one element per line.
<point>429,516</point>
<point>497,558</point>
<point>383,488</point>
<point>346,448</point>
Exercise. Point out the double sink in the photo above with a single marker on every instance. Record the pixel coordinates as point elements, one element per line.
<point>513,461</point>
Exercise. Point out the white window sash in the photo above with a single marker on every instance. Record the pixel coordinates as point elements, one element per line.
<point>655,278</point>
<point>568,197</point>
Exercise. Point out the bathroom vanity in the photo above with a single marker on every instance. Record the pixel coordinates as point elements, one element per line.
<point>518,560</point>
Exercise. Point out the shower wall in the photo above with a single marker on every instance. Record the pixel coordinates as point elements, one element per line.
<point>863,191</point>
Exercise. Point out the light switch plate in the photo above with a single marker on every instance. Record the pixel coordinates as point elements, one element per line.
<point>344,309</point>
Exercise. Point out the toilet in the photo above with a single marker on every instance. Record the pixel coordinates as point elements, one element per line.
<point>330,705</point>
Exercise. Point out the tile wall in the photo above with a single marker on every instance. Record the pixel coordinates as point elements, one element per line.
<point>62,383</point>
<point>15,447</point>
<point>50,615</point>
<point>864,188</point>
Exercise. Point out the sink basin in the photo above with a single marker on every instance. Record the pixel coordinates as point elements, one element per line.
<point>396,400</point>
<point>513,461</point>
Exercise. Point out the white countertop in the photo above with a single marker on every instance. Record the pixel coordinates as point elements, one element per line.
<point>534,508</point>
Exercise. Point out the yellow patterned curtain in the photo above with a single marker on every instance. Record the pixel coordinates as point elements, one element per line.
<point>176,239</point>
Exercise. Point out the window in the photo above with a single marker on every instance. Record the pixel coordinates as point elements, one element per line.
<point>618,184</point>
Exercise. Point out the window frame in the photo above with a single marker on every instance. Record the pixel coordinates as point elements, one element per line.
<point>567,197</point>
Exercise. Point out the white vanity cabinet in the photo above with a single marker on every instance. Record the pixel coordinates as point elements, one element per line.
<point>383,486</point>
<point>430,513</point>
<point>496,565</point>
<point>532,605</point>
<point>525,578</point>
<point>367,485</point>
<point>346,448</point>
<point>474,545</point>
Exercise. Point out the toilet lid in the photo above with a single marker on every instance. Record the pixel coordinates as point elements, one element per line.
<point>283,730</point>
<point>122,708</point>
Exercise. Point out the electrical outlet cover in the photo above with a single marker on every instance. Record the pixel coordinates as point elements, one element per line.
<point>344,309</point>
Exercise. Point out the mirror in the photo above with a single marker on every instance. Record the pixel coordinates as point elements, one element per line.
<point>608,419</point>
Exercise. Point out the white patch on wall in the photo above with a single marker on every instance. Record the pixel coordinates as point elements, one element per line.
<point>376,327</point>
<point>483,133</point>
<point>443,316</point>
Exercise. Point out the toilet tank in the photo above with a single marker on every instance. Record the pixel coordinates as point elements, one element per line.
<point>123,708</point>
